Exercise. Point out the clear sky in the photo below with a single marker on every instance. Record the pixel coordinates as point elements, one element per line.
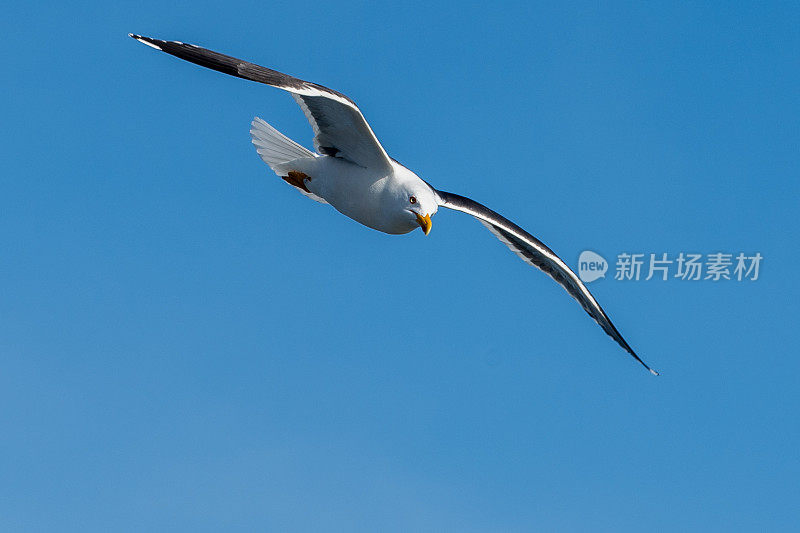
<point>187,344</point>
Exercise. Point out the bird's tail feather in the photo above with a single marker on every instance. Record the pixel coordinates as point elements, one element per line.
<point>274,147</point>
<point>282,154</point>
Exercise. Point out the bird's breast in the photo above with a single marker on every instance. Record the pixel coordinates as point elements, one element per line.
<point>358,193</point>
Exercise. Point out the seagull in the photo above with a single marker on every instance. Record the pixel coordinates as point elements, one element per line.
<point>352,172</point>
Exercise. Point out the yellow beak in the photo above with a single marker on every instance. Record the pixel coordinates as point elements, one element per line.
<point>424,222</point>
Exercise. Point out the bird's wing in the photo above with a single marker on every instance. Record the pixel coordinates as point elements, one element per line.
<point>534,252</point>
<point>340,129</point>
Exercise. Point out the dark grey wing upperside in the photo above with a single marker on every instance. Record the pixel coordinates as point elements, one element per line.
<point>534,252</point>
<point>340,130</point>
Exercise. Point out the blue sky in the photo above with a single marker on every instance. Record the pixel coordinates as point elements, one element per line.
<point>189,345</point>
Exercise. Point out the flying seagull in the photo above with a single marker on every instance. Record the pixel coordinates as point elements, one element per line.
<point>351,171</point>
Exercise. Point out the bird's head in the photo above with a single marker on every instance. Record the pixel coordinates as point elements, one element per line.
<point>413,201</point>
<point>419,204</point>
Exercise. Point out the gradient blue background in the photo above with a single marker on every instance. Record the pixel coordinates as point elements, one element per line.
<point>186,344</point>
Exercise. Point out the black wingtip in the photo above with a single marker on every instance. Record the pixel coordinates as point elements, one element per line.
<point>630,351</point>
<point>652,371</point>
<point>149,41</point>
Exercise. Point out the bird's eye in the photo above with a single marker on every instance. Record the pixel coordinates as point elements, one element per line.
<point>413,199</point>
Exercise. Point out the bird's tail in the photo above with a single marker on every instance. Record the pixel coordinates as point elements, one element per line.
<point>274,147</point>
<point>284,156</point>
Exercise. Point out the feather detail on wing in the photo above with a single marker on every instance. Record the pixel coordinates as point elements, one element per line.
<point>340,130</point>
<point>535,253</point>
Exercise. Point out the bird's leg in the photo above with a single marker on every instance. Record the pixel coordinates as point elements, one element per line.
<point>297,179</point>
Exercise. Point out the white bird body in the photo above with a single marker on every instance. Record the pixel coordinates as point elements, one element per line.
<point>351,171</point>
<point>366,195</point>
